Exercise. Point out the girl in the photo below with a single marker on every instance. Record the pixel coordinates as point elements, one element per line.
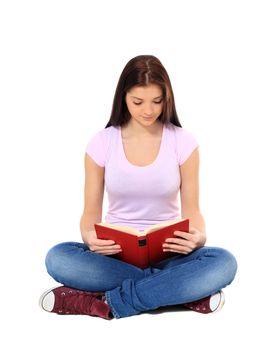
<point>144,158</point>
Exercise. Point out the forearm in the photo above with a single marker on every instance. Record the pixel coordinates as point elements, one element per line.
<point>87,222</point>
<point>195,219</point>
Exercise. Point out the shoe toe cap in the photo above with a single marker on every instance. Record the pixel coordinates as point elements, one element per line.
<point>48,301</point>
<point>216,301</point>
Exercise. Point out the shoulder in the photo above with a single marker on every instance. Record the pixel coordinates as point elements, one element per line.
<point>179,132</point>
<point>185,142</point>
<point>103,133</point>
<point>97,146</point>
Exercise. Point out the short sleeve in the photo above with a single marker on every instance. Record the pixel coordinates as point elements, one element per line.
<point>186,143</point>
<point>96,148</point>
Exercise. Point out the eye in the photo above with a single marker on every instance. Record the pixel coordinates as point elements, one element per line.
<point>137,104</point>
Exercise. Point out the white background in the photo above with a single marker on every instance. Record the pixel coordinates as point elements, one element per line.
<point>60,64</point>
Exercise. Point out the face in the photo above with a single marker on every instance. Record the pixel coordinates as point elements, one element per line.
<point>145,103</point>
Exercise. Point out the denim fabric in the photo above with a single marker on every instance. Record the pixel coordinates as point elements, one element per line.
<point>130,290</point>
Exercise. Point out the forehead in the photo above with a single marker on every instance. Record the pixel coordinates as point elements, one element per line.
<point>149,91</point>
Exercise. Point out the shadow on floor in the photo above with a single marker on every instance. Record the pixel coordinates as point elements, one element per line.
<point>169,308</point>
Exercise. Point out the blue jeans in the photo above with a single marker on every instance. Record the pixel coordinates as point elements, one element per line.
<point>130,290</point>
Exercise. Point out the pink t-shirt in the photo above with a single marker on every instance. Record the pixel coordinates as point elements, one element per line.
<point>140,196</point>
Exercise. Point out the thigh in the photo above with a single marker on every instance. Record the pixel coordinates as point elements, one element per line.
<point>75,265</point>
<point>180,259</point>
<point>215,257</point>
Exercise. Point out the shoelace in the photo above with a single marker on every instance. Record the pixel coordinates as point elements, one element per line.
<point>77,302</point>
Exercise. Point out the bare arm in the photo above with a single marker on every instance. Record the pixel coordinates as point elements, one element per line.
<point>189,191</point>
<point>93,195</point>
<point>92,212</point>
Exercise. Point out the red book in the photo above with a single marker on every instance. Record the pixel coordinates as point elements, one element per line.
<point>144,248</point>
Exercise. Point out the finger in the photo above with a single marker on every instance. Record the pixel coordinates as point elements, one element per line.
<point>109,252</point>
<point>104,248</point>
<point>188,247</point>
<point>179,250</point>
<point>180,241</point>
<point>183,234</point>
<point>103,242</point>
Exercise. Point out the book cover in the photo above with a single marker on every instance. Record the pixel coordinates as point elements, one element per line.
<point>142,249</point>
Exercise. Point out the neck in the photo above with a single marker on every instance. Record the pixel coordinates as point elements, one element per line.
<point>139,130</point>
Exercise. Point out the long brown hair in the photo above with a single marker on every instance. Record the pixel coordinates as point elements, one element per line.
<point>141,71</point>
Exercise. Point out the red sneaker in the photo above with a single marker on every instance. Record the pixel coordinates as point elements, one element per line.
<point>69,301</point>
<point>212,303</point>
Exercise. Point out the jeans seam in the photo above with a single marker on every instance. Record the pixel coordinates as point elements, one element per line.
<point>108,299</point>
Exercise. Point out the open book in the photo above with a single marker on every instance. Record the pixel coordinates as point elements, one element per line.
<point>144,248</point>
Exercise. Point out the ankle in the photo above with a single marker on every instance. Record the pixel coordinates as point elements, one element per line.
<point>104,299</point>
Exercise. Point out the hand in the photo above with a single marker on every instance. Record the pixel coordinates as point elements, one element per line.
<point>186,243</point>
<point>101,246</point>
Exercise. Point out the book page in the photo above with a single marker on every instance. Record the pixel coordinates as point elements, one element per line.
<point>161,225</point>
<point>136,232</point>
<point>127,229</point>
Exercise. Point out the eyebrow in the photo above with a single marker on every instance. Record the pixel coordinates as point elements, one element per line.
<point>142,99</point>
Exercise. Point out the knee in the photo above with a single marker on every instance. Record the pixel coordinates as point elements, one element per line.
<point>56,257</point>
<point>227,263</point>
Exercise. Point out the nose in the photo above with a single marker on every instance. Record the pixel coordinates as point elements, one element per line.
<point>148,111</point>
